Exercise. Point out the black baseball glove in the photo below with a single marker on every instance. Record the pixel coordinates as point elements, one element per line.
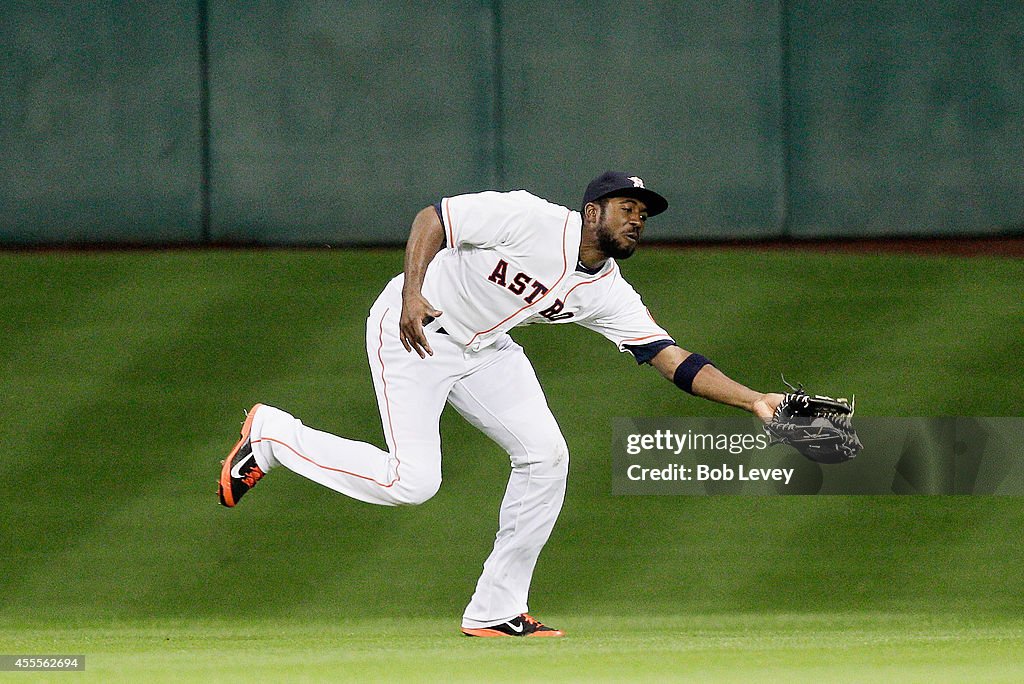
<point>818,427</point>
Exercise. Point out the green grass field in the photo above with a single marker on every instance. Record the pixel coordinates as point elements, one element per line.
<point>843,647</point>
<point>123,380</point>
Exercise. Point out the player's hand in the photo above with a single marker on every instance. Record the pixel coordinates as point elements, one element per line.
<point>416,311</point>
<point>764,407</point>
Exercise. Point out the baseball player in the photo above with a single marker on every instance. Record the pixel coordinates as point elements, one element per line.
<point>476,266</point>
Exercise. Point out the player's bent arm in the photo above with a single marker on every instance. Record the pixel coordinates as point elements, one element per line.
<point>710,383</point>
<point>425,240</point>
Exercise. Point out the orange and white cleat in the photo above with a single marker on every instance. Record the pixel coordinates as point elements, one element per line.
<point>239,473</point>
<point>520,626</point>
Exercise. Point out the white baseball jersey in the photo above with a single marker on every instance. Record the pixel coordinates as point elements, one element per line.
<point>511,259</point>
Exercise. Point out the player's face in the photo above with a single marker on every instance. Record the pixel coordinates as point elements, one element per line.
<point>620,226</point>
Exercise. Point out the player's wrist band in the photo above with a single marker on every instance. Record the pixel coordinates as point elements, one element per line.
<point>687,371</point>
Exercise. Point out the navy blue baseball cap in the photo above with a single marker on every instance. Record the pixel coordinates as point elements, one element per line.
<point>620,184</point>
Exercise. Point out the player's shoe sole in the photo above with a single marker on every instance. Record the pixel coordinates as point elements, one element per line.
<point>520,626</point>
<point>239,473</point>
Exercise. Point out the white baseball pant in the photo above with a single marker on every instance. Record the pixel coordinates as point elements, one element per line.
<point>496,390</point>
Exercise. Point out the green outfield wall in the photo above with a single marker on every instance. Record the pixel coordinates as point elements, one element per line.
<point>300,122</point>
<point>100,135</point>
<point>904,117</point>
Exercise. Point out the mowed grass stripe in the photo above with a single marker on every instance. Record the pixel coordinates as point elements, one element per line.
<point>843,647</point>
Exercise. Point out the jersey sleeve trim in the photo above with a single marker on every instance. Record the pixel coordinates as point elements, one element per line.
<point>644,353</point>
<point>447,221</point>
<point>634,340</point>
<point>440,217</point>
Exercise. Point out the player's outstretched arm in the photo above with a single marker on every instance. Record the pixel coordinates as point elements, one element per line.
<point>704,380</point>
<point>425,239</point>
